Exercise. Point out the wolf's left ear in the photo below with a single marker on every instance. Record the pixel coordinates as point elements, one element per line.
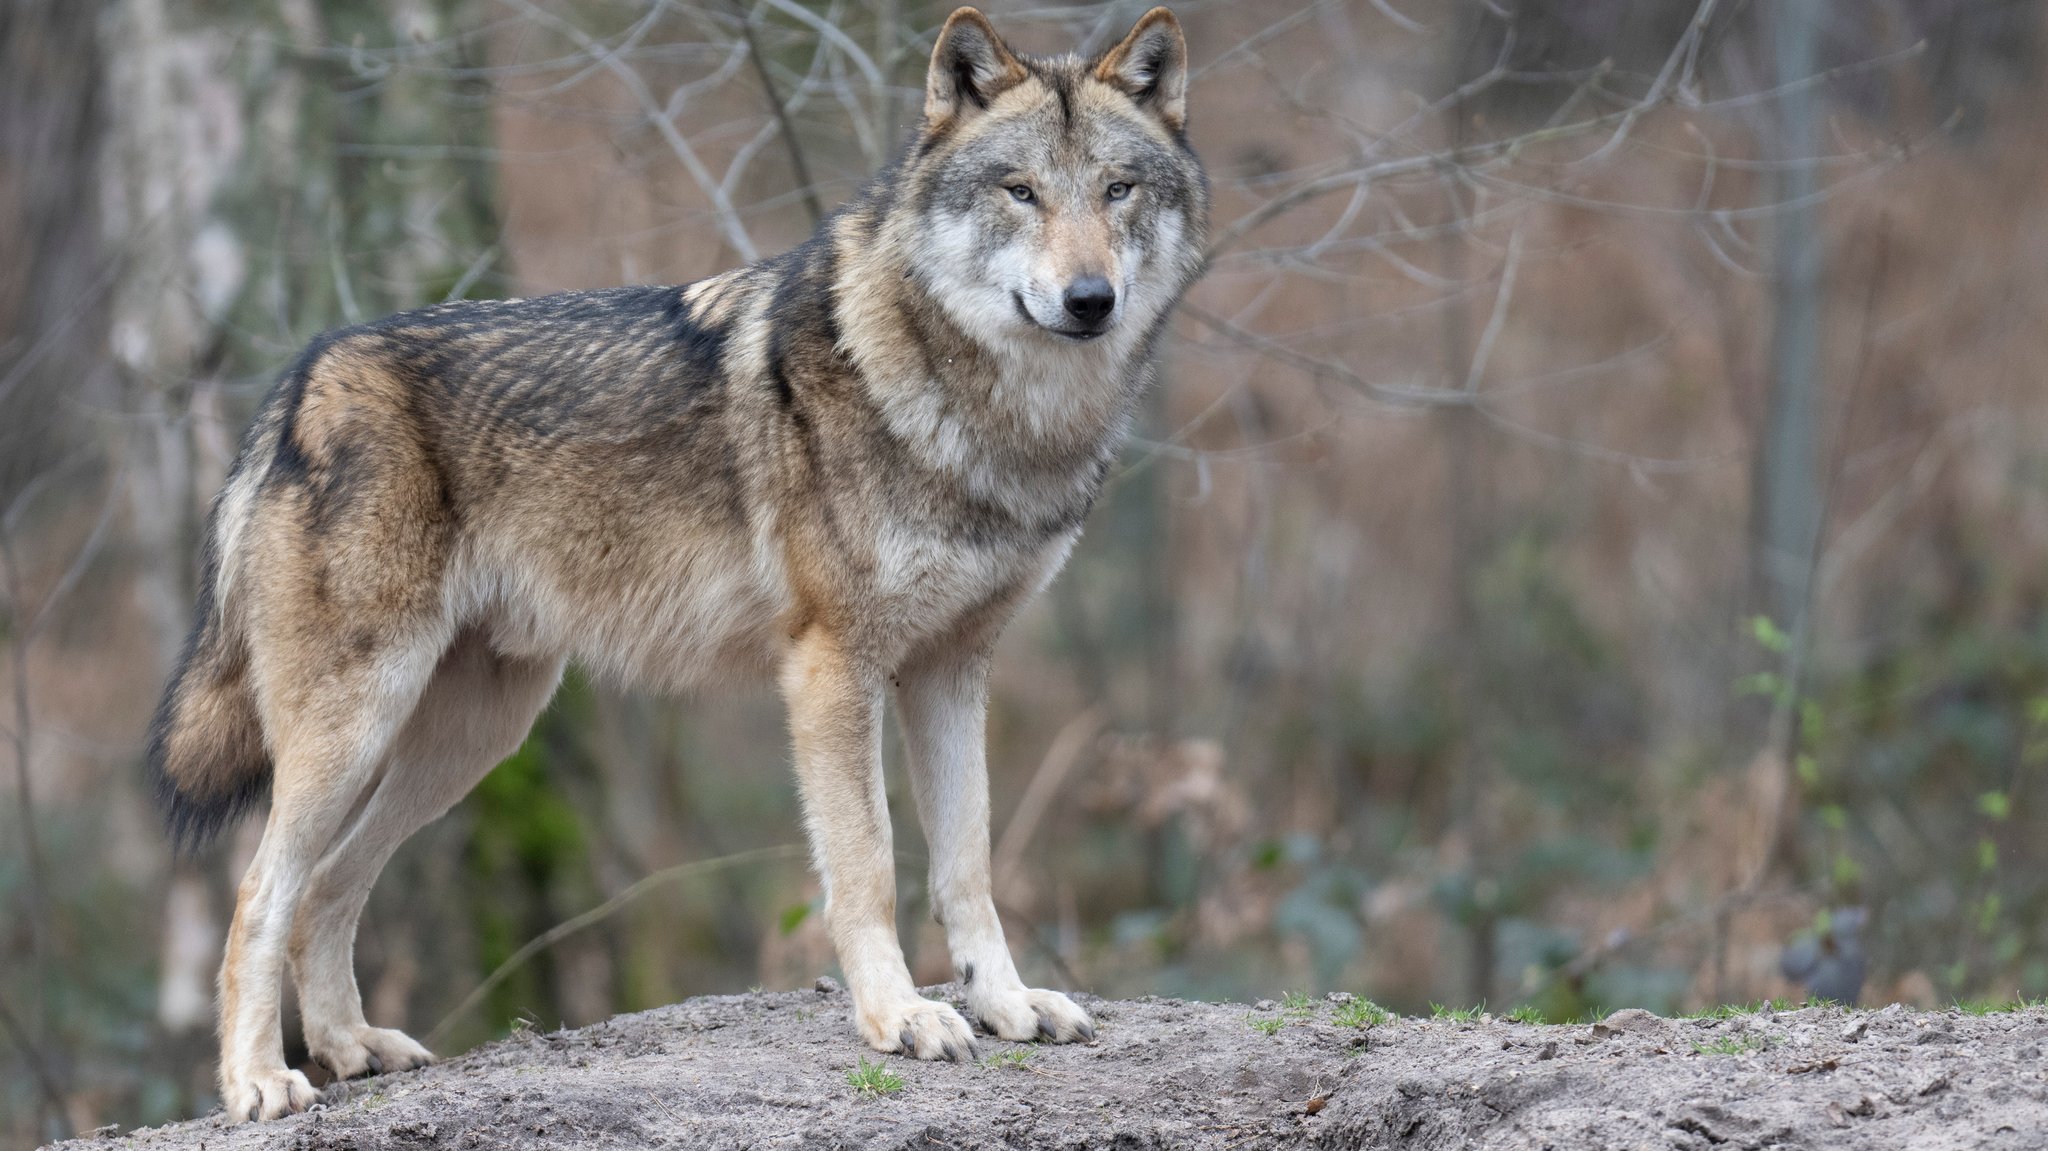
<point>1152,66</point>
<point>970,66</point>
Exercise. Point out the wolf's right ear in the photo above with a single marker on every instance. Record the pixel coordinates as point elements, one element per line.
<point>970,66</point>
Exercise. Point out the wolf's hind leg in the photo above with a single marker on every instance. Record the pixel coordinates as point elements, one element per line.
<point>835,705</point>
<point>332,717</point>
<point>942,700</point>
<point>475,711</point>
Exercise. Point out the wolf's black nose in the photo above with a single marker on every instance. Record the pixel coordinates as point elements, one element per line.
<point>1090,299</point>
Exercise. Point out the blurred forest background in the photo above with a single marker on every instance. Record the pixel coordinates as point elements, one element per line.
<point>1589,546</point>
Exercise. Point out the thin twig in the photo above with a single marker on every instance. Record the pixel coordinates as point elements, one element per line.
<point>1586,961</point>
<point>800,168</point>
<point>1784,726</point>
<point>1402,21</point>
<point>1060,759</point>
<point>598,914</point>
<point>1510,148</point>
<point>1390,393</point>
<point>27,625</point>
<point>1658,87</point>
<point>664,123</point>
<point>46,1082</point>
<point>472,274</point>
<point>1499,317</point>
<point>31,845</point>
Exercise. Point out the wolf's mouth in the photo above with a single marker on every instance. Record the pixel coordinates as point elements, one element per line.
<point>1078,335</point>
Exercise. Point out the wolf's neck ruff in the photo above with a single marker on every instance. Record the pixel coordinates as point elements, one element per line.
<point>1014,418</point>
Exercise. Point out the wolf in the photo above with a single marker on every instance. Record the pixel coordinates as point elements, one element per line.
<point>841,469</point>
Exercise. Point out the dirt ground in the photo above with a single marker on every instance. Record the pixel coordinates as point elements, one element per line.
<point>771,1071</point>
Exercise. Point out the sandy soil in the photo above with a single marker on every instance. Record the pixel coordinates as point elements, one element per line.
<point>771,1071</point>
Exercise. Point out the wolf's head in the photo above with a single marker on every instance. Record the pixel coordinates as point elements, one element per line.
<point>1054,200</point>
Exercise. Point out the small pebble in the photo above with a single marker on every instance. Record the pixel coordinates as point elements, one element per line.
<point>826,985</point>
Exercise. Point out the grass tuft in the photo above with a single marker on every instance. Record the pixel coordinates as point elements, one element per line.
<point>1015,1059</point>
<point>1983,1007</point>
<point>1455,1014</point>
<point>873,1080</point>
<point>1526,1013</point>
<point>1295,1007</point>
<point>1730,1045</point>
<point>1362,1013</point>
<point>1737,1010</point>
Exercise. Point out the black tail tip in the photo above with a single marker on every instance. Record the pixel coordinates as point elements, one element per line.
<point>193,821</point>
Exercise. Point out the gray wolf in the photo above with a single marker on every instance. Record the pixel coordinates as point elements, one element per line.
<point>841,469</point>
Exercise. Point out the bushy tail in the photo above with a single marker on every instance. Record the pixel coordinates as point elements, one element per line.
<point>207,759</point>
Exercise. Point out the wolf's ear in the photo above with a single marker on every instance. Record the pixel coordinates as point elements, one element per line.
<point>970,66</point>
<point>1152,66</point>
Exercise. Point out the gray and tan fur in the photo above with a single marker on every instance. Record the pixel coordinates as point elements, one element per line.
<point>842,469</point>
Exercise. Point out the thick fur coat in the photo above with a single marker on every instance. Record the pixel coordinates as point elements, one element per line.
<point>841,469</point>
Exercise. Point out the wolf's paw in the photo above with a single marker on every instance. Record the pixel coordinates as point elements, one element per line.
<point>268,1094</point>
<point>352,1051</point>
<point>919,1028</point>
<point>1025,1013</point>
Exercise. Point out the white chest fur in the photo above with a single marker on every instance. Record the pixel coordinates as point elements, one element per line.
<point>927,578</point>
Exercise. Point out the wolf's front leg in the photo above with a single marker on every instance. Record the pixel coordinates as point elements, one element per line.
<point>943,701</point>
<point>834,703</point>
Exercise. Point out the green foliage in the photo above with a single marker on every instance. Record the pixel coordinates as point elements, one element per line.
<point>1765,683</point>
<point>523,819</point>
<point>1768,636</point>
<point>1949,710</point>
<point>1456,1014</point>
<point>1361,1012</point>
<point>1738,1010</point>
<point>1295,1007</point>
<point>527,858</point>
<point>1014,1059</point>
<point>1526,1013</point>
<point>793,917</point>
<point>873,1080</point>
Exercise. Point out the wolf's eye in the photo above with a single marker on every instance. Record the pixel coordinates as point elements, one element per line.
<point>1022,193</point>
<point>1119,190</point>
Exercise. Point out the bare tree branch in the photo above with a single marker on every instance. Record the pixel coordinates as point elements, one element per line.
<point>663,120</point>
